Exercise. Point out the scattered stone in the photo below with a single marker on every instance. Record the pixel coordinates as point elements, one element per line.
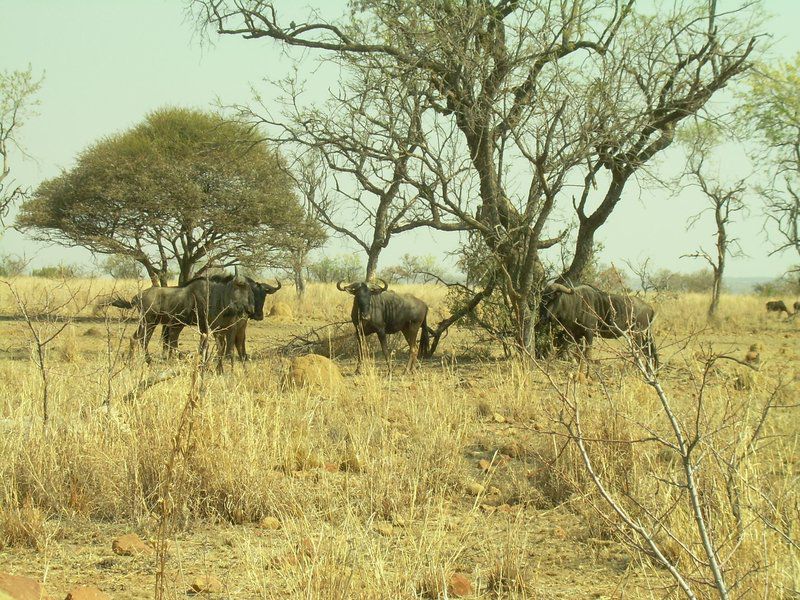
<point>484,464</point>
<point>131,544</point>
<point>206,584</point>
<point>269,523</point>
<point>752,357</point>
<point>84,592</point>
<point>105,563</point>
<point>474,488</point>
<point>498,418</point>
<point>459,586</point>
<point>281,309</point>
<point>17,587</point>
<point>385,529</point>
<point>313,370</point>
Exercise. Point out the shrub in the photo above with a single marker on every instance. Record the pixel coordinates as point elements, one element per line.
<point>61,271</point>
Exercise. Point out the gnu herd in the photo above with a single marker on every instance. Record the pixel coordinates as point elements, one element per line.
<point>220,305</point>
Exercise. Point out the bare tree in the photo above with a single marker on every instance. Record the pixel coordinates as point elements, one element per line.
<point>17,92</point>
<point>722,201</point>
<point>528,97</point>
<point>366,141</point>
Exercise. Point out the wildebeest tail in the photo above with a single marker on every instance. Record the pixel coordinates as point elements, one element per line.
<point>117,302</point>
<point>424,339</point>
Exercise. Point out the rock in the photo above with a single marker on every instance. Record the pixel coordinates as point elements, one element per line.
<point>131,544</point>
<point>498,418</point>
<point>485,464</point>
<point>281,309</point>
<point>474,488</point>
<point>385,529</point>
<point>313,370</point>
<point>459,586</point>
<point>752,357</point>
<point>269,523</point>
<point>206,584</point>
<point>17,587</point>
<point>83,592</point>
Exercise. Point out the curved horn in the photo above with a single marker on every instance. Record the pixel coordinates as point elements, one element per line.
<point>279,284</point>
<point>339,286</point>
<point>235,270</point>
<point>385,285</point>
<point>557,287</point>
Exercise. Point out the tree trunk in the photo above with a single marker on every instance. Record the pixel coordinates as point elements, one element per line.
<point>721,218</point>
<point>372,262</point>
<point>299,280</point>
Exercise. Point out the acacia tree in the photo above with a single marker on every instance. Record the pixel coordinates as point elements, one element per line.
<point>771,109</point>
<point>530,97</point>
<point>17,91</point>
<point>184,188</point>
<point>722,201</point>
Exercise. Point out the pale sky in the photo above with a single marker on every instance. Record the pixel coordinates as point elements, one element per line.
<point>106,64</point>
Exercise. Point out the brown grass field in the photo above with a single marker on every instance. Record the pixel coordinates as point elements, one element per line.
<point>376,487</point>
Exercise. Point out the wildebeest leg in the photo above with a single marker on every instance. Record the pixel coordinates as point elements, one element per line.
<point>221,339</point>
<point>169,338</point>
<point>146,334</point>
<point>361,344</point>
<point>241,345</point>
<point>586,351</point>
<point>384,348</point>
<point>411,337</point>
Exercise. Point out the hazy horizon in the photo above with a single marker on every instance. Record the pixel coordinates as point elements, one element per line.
<point>118,62</point>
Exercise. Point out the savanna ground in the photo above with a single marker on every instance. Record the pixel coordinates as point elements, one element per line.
<point>377,488</point>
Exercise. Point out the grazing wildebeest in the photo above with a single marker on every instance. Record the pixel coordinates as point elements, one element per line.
<point>778,306</point>
<point>376,310</point>
<point>236,334</point>
<point>213,306</point>
<point>584,311</point>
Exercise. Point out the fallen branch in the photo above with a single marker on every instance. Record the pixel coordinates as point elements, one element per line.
<point>150,382</point>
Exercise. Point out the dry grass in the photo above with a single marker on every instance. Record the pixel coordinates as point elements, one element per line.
<point>337,469</point>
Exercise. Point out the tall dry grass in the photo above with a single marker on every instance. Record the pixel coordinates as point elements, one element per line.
<point>402,450</point>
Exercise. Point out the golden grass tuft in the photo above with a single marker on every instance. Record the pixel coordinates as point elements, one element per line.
<point>405,450</point>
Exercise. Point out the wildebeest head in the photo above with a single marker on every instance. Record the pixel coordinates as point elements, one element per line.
<point>260,292</point>
<point>550,296</point>
<point>241,299</point>
<point>363,292</point>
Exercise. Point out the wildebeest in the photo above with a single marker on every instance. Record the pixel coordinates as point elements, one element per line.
<point>237,334</point>
<point>585,311</point>
<point>213,306</point>
<point>376,310</point>
<point>778,306</point>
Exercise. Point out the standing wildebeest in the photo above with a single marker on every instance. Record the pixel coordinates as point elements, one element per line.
<point>778,306</point>
<point>213,306</point>
<point>237,333</point>
<point>376,310</point>
<point>584,311</point>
